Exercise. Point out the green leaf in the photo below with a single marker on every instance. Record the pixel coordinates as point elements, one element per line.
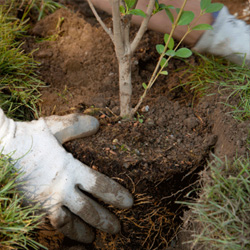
<point>161,6</point>
<point>160,48</point>
<point>144,85</point>
<point>163,62</point>
<point>130,3</point>
<point>168,6</point>
<point>137,12</point>
<point>186,18</point>
<point>214,7</point>
<point>171,42</point>
<point>204,4</point>
<point>170,15</point>
<point>164,73</point>
<point>202,26</point>
<point>156,5</point>
<point>122,9</point>
<point>183,53</point>
<point>170,52</point>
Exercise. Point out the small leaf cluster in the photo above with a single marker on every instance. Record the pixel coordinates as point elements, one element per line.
<point>128,9</point>
<point>160,6</point>
<point>188,16</point>
<point>207,7</point>
<point>171,52</point>
<point>185,18</point>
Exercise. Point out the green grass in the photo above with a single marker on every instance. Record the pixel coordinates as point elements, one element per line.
<point>19,85</point>
<point>39,8</point>
<point>212,74</point>
<point>222,211</point>
<point>223,208</point>
<point>44,7</point>
<point>19,98</point>
<point>17,222</point>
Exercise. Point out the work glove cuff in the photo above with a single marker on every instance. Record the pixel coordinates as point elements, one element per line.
<point>229,38</point>
<point>7,127</point>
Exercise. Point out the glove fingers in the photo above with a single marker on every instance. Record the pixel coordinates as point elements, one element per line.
<point>69,127</point>
<point>71,226</point>
<point>102,187</point>
<point>92,213</point>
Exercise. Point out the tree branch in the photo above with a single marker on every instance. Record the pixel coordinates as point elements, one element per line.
<point>108,31</point>
<point>155,74</point>
<point>126,25</point>
<point>118,32</point>
<point>143,27</point>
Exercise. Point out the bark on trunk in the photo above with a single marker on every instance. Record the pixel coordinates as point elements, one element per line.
<point>123,48</point>
<point>125,85</point>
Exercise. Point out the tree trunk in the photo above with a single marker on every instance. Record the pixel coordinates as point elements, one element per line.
<point>125,85</point>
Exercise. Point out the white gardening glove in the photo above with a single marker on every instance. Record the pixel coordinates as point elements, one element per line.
<point>57,180</point>
<point>230,38</point>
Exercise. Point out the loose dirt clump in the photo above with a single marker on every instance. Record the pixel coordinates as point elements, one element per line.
<point>157,156</point>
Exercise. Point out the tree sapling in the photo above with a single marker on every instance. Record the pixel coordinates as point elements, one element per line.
<point>122,12</point>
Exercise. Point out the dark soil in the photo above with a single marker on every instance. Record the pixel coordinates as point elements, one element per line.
<point>157,156</point>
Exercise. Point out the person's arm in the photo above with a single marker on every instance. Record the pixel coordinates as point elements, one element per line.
<point>230,37</point>
<point>161,23</point>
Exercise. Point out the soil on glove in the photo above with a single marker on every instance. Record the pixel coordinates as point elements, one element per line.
<point>159,154</point>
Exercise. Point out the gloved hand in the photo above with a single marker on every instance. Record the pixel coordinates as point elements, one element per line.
<point>229,38</point>
<point>57,180</point>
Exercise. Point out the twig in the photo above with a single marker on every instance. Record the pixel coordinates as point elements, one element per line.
<point>155,74</point>
<point>143,27</point>
<point>111,112</point>
<point>108,31</point>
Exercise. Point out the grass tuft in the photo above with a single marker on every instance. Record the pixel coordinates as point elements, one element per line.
<point>45,7</point>
<point>19,98</point>
<point>223,209</point>
<point>38,8</point>
<point>213,74</point>
<point>17,222</point>
<point>19,94</point>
